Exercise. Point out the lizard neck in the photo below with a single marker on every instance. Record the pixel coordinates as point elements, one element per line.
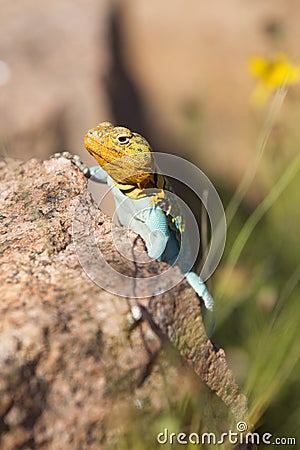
<point>153,181</point>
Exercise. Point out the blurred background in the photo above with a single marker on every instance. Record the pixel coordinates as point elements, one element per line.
<point>178,73</point>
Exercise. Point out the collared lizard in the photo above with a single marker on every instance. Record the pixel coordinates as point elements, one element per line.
<point>140,191</point>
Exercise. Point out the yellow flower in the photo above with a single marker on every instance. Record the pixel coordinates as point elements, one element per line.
<point>271,74</point>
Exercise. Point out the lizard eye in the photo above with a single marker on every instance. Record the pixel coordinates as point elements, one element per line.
<point>123,139</point>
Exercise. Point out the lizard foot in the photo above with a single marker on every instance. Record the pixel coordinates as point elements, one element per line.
<point>199,287</point>
<point>75,159</point>
<point>201,290</point>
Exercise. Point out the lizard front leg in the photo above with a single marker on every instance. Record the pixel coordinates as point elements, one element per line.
<point>75,159</point>
<point>95,173</point>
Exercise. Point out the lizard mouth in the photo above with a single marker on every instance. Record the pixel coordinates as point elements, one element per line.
<point>102,154</point>
<point>93,148</point>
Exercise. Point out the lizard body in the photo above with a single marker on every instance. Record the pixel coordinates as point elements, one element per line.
<point>141,194</point>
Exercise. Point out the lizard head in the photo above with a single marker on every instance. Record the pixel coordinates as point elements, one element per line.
<point>124,154</point>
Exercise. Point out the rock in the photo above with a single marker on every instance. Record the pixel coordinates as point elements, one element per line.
<point>76,370</point>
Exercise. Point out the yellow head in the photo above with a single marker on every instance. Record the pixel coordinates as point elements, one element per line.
<point>124,154</point>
